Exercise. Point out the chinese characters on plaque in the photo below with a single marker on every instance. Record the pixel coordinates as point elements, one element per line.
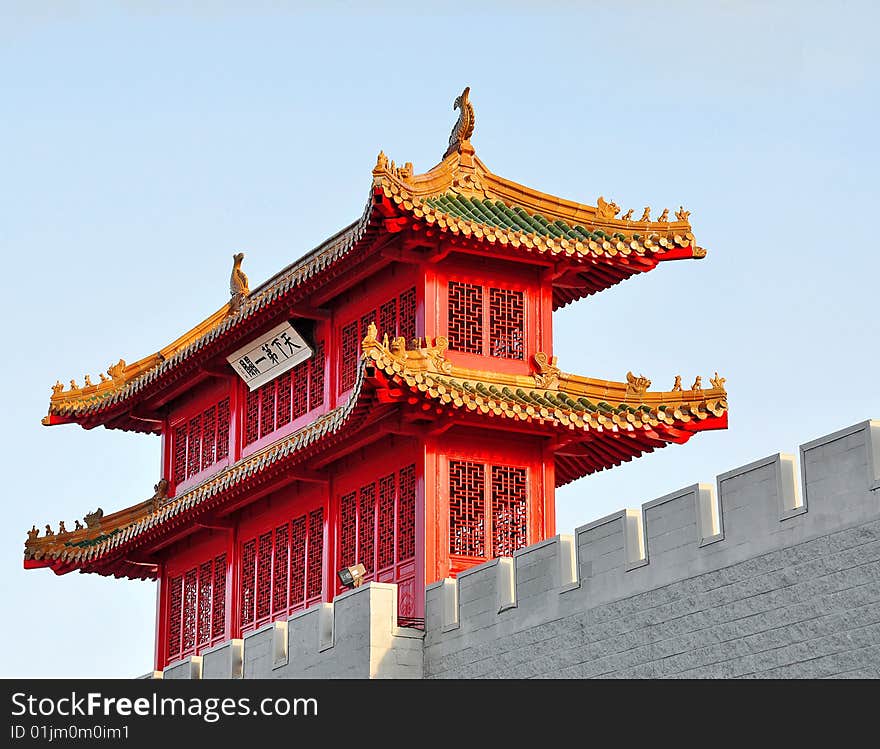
<point>270,355</point>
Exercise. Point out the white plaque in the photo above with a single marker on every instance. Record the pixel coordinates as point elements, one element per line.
<point>270,355</point>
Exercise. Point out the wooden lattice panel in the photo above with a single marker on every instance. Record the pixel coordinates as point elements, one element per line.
<point>218,606</point>
<point>406,315</point>
<point>280,568</point>
<point>465,317</point>
<point>316,377</point>
<point>248,590</point>
<point>206,584</point>
<point>298,561</point>
<point>348,531</point>
<point>264,575</point>
<point>200,441</point>
<point>190,598</point>
<point>284,396</point>
<point>387,318</point>
<point>209,437</point>
<point>196,613</point>
<point>267,407</point>
<point>223,430</point>
<point>406,514</point>
<point>300,389</point>
<point>315,579</point>
<point>180,454</point>
<point>509,510</point>
<point>385,541</point>
<point>506,323</point>
<point>348,369</point>
<point>367,527</point>
<point>467,508</point>
<point>252,417</point>
<point>175,615</point>
<point>193,449</point>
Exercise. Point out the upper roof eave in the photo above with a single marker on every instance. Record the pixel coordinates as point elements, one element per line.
<point>588,234</point>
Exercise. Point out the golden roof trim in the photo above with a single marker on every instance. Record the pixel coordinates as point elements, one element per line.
<point>548,393</point>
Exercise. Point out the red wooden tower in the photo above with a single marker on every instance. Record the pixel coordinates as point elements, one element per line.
<point>391,398</point>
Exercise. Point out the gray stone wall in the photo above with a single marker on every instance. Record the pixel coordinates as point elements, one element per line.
<point>763,578</point>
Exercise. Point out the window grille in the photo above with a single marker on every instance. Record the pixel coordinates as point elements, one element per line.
<point>196,614</point>
<point>396,317</point>
<point>506,323</point>
<point>479,510</point>
<point>281,570</point>
<point>467,508</point>
<point>465,317</point>
<point>509,505</point>
<point>201,441</point>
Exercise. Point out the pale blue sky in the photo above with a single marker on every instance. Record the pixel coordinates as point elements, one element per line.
<point>142,145</point>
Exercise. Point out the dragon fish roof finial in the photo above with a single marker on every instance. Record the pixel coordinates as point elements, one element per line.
<point>464,127</point>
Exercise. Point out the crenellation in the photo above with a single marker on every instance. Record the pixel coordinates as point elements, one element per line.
<point>223,661</point>
<point>187,668</point>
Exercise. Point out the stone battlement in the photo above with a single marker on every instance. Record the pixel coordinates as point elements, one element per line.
<point>763,574</point>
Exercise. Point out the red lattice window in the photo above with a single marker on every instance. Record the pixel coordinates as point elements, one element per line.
<point>196,614</point>
<point>247,608</point>
<point>406,514</point>
<point>267,408</point>
<point>396,317</point>
<point>385,552</point>
<point>406,322</point>
<point>175,612</point>
<point>316,376</point>
<point>264,574</point>
<point>201,441</point>
<point>378,523</point>
<point>286,398</point>
<point>300,394</point>
<point>348,373</point>
<point>209,438</point>
<point>180,454</point>
<point>206,583</point>
<point>467,508</point>
<point>387,320</point>
<point>193,461</point>
<point>282,570</point>
<point>252,417</point>
<point>509,506</point>
<point>348,532</point>
<point>481,509</point>
<point>486,321</point>
<point>223,430</point>
<point>367,527</point>
<point>297,560</point>
<point>465,318</point>
<point>218,607</point>
<point>283,405</point>
<point>190,596</point>
<point>506,323</point>
<point>315,577</point>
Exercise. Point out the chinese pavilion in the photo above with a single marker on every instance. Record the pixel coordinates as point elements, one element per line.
<point>390,399</point>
